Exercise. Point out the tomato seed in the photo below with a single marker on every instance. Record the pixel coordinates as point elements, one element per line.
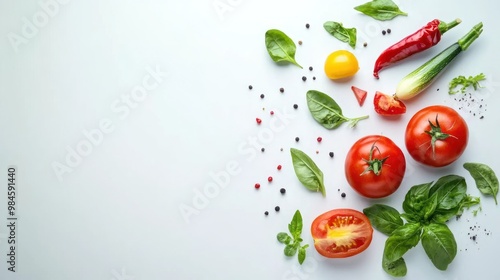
<point>365,44</point>
<point>259,121</point>
<point>269,179</point>
<point>279,167</point>
<point>257,186</point>
<point>300,42</point>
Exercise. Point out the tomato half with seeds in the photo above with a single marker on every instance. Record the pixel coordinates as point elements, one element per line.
<point>436,136</point>
<point>341,233</point>
<point>387,105</point>
<point>375,166</point>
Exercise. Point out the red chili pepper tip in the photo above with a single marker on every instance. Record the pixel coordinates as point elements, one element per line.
<point>319,139</point>
<point>257,185</point>
<point>270,179</point>
<point>258,120</point>
<point>279,167</point>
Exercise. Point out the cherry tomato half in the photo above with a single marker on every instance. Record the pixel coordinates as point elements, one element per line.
<point>341,64</point>
<point>341,233</point>
<point>375,166</point>
<point>436,136</point>
<point>387,105</point>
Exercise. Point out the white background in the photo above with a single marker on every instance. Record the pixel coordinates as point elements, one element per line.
<point>117,214</point>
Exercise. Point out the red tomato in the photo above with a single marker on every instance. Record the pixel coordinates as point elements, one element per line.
<point>375,166</point>
<point>436,136</point>
<point>387,105</point>
<point>341,233</point>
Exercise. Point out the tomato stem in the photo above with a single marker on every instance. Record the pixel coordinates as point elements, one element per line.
<point>374,165</point>
<point>436,134</point>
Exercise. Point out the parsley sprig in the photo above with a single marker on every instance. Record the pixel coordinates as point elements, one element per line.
<point>465,82</point>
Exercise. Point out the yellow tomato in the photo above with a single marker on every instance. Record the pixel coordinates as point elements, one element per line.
<point>341,64</point>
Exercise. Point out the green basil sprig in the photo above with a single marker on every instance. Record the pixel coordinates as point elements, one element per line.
<point>485,178</point>
<point>344,34</point>
<point>380,9</point>
<point>327,112</point>
<point>307,171</point>
<point>426,209</point>
<point>293,240</point>
<point>280,47</point>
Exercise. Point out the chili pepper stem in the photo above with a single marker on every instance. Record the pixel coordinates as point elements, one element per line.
<point>443,26</point>
<point>473,34</point>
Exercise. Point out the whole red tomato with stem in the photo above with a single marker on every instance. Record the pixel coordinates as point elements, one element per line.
<point>341,233</point>
<point>436,136</point>
<point>375,166</point>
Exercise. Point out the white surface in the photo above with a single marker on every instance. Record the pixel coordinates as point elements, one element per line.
<point>117,214</point>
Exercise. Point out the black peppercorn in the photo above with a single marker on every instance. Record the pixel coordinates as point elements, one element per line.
<point>282,190</point>
<point>295,106</point>
<point>277,208</point>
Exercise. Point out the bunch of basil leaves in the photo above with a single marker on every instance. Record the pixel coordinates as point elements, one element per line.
<point>427,207</point>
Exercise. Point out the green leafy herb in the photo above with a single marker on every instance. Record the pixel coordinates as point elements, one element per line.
<point>426,209</point>
<point>485,178</point>
<point>465,83</point>
<point>280,47</point>
<point>293,240</point>
<point>326,111</point>
<point>380,9</point>
<point>307,172</point>
<point>383,218</point>
<point>344,34</point>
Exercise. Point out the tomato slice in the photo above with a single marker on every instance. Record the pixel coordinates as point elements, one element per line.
<point>341,233</point>
<point>360,94</point>
<point>388,105</point>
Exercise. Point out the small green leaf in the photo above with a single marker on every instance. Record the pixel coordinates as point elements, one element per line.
<point>280,47</point>
<point>302,254</point>
<point>295,226</point>
<point>396,268</point>
<point>344,34</point>
<point>380,9</point>
<point>485,178</point>
<point>284,238</point>
<point>290,250</point>
<point>415,199</point>
<point>439,245</point>
<point>450,191</point>
<point>465,83</point>
<point>383,218</point>
<point>326,111</point>
<point>307,171</point>
<point>401,240</point>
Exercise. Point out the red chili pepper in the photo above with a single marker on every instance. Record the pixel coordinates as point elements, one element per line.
<point>422,39</point>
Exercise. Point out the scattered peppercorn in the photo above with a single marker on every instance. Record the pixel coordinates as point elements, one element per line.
<point>257,186</point>
<point>282,90</point>
<point>300,42</point>
<point>250,87</point>
<point>272,113</point>
<point>383,32</point>
<point>269,179</point>
<point>317,152</point>
<point>307,25</point>
<point>297,139</point>
<point>266,213</point>
<point>319,139</point>
<point>278,167</point>
<point>295,106</point>
<point>262,96</point>
<point>343,195</point>
<point>304,78</point>
<point>259,121</point>
<point>262,149</point>
<point>281,149</point>
<point>310,68</point>
<point>314,78</point>
<point>331,154</point>
<point>388,30</point>
<point>282,191</point>
<point>277,208</point>
<point>365,44</point>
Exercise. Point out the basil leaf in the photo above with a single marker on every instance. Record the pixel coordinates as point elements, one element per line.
<point>401,240</point>
<point>344,34</point>
<point>396,268</point>
<point>450,191</point>
<point>380,9</point>
<point>383,218</point>
<point>307,171</point>
<point>295,226</point>
<point>430,206</point>
<point>290,250</point>
<point>415,198</point>
<point>284,238</point>
<point>302,254</point>
<point>485,178</point>
<point>326,111</point>
<point>439,245</point>
<point>280,47</point>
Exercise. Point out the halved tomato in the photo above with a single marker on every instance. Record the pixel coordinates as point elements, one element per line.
<point>341,233</point>
<point>387,105</point>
